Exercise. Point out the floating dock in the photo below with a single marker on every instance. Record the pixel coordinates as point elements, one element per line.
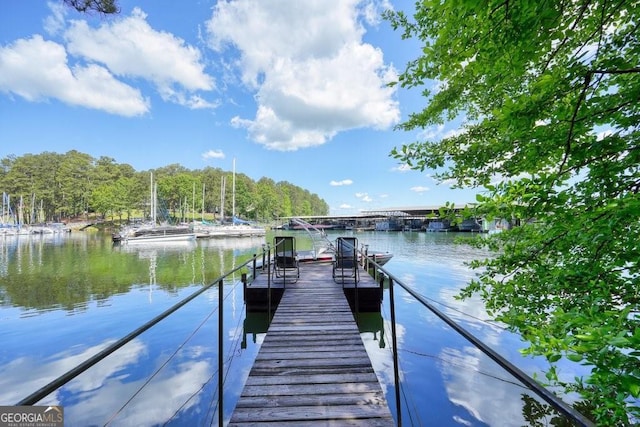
<point>366,296</point>
<point>312,368</point>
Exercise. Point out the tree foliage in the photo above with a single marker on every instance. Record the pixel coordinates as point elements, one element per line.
<point>56,186</point>
<point>104,7</point>
<point>548,96</point>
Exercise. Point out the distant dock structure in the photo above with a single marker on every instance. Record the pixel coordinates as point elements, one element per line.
<point>407,218</point>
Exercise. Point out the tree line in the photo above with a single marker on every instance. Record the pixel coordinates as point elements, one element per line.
<point>54,187</point>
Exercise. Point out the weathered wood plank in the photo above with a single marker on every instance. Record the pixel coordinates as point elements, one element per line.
<point>363,398</point>
<point>311,379</point>
<point>316,355</point>
<point>314,389</point>
<point>366,422</point>
<point>310,413</point>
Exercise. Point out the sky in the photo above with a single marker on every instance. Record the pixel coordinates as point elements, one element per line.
<point>293,90</point>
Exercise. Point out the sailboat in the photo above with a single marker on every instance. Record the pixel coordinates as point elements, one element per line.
<point>237,228</point>
<point>152,232</point>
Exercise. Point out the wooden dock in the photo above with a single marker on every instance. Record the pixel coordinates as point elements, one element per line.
<point>368,296</point>
<point>312,368</point>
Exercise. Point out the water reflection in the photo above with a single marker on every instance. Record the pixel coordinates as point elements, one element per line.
<point>371,327</point>
<point>42,285</point>
<point>60,303</point>
<point>443,379</point>
<point>255,326</point>
<point>474,382</point>
<point>24,375</point>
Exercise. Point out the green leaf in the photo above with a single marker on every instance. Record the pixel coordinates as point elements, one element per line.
<point>574,357</point>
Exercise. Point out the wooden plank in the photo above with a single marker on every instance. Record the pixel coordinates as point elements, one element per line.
<point>367,422</point>
<point>310,379</point>
<point>374,397</point>
<point>310,413</point>
<point>312,368</point>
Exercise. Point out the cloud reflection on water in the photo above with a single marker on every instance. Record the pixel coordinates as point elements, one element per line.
<point>98,394</point>
<point>23,376</point>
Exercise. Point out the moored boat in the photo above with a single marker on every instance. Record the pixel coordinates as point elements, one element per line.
<point>324,249</point>
<point>153,234</point>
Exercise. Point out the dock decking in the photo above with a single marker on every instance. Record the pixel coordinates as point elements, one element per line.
<point>312,368</point>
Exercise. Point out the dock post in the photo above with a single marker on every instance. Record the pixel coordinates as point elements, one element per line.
<point>396,375</point>
<point>355,283</point>
<point>269,281</point>
<point>375,270</point>
<point>220,350</point>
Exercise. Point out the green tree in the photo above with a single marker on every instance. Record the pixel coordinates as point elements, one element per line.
<point>175,192</point>
<point>548,97</point>
<point>68,185</point>
<point>30,177</point>
<point>75,183</point>
<point>268,202</point>
<point>103,199</point>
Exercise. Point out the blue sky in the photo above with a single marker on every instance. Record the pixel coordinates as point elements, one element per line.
<point>293,90</point>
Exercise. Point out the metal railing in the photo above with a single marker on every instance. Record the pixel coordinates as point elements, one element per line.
<point>380,274</point>
<point>63,379</point>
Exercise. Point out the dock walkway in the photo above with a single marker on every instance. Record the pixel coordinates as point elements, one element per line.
<point>312,368</point>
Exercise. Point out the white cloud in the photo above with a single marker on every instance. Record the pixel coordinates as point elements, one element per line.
<point>89,70</point>
<point>453,133</point>
<point>36,70</point>
<point>364,197</point>
<point>340,183</point>
<point>312,73</point>
<point>346,206</point>
<point>604,134</point>
<point>372,10</point>
<point>130,47</point>
<point>419,189</point>
<point>401,168</point>
<point>432,133</point>
<point>213,154</point>
<point>439,132</point>
<point>55,23</point>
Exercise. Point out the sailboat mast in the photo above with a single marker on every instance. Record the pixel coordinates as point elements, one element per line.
<point>233,193</point>
<point>152,207</point>
<point>222,185</point>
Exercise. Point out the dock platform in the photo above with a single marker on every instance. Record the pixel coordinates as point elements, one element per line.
<point>312,368</point>
<point>367,297</point>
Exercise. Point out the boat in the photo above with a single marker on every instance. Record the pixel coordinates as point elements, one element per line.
<point>151,232</point>
<point>324,250</point>
<point>228,230</point>
<point>236,228</point>
<point>439,225</point>
<point>470,225</point>
<point>390,224</point>
<point>154,234</point>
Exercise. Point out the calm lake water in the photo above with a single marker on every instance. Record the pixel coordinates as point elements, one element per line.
<point>65,298</point>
